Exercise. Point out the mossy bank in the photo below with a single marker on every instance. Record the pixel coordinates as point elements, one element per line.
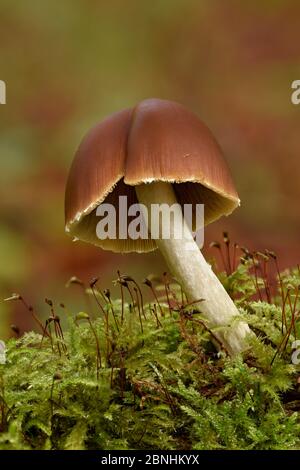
<point>148,376</point>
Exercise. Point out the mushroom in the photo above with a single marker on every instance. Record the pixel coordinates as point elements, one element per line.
<point>159,152</point>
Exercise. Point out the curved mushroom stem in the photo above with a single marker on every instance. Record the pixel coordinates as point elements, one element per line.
<point>195,275</point>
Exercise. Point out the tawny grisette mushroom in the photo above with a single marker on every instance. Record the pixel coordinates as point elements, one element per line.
<point>158,152</point>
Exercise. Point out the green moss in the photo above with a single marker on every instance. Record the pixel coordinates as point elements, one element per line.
<point>165,387</point>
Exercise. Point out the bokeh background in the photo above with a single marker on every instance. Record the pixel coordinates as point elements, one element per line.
<point>69,63</point>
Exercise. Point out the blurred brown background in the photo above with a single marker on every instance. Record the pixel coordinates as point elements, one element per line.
<point>67,64</point>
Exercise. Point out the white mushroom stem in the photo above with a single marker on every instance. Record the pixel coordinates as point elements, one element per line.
<point>195,275</point>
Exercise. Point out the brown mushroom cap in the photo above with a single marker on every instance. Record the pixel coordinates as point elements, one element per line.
<point>158,140</point>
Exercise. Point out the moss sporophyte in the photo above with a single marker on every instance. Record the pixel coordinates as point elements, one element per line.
<point>151,375</point>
